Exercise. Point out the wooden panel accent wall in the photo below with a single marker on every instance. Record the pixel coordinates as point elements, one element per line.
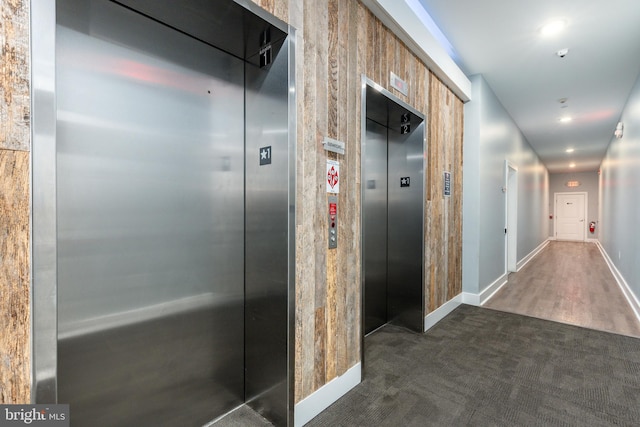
<point>337,42</point>
<point>15,323</point>
<point>327,280</point>
<point>443,222</point>
<point>14,78</point>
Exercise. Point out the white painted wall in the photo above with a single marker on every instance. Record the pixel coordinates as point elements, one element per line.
<point>471,192</point>
<point>589,184</point>
<point>491,137</point>
<point>620,196</point>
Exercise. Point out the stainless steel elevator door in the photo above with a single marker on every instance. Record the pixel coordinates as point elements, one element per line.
<point>393,203</point>
<point>266,253</point>
<point>150,196</point>
<point>405,238</point>
<point>375,226</point>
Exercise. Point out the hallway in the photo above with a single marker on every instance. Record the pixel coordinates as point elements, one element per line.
<point>195,194</point>
<point>568,282</point>
<point>480,367</point>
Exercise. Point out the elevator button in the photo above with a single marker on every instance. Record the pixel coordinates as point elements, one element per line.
<point>333,222</point>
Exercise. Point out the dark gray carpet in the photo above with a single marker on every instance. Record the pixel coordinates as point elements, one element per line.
<point>481,367</point>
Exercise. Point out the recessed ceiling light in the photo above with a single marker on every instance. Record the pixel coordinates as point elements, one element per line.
<point>553,28</point>
<point>572,165</point>
<point>565,119</point>
<point>570,150</point>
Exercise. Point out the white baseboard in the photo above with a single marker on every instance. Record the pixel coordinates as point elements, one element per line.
<point>491,290</point>
<point>622,283</point>
<point>592,240</point>
<point>439,313</point>
<point>321,399</point>
<point>532,254</point>
<point>482,297</point>
<point>471,299</point>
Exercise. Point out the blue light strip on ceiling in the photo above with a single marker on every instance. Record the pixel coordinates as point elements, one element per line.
<point>431,26</point>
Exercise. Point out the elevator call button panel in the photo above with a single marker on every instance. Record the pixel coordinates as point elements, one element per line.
<point>333,222</point>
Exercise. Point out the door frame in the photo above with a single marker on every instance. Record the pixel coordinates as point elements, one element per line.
<point>586,212</point>
<point>511,217</point>
<point>366,82</point>
<point>44,307</point>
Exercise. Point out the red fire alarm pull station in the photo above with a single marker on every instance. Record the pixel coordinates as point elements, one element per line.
<point>333,222</point>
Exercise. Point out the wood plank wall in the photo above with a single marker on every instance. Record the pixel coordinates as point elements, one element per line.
<point>15,322</point>
<point>15,338</point>
<point>338,41</point>
<point>443,222</point>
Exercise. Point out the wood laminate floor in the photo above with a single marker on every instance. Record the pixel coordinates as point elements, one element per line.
<point>568,282</point>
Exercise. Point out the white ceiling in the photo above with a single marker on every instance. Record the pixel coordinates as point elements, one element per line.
<point>500,39</point>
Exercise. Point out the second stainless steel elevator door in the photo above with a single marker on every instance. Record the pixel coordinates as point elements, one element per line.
<point>405,238</point>
<point>393,203</point>
<point>150,195</point>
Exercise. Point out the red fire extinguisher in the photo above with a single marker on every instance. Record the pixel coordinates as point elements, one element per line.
<point>592,226</point>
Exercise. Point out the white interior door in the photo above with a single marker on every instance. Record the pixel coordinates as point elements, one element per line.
<point>511,227</point>
<point>570,216</point>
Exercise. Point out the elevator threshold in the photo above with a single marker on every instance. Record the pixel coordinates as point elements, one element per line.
<point>376,330</point>
<point>242,416</point>
<point>395,325</point>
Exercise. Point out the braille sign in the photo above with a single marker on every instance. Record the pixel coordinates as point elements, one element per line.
<point>265,156</point>
<point>447,183</point>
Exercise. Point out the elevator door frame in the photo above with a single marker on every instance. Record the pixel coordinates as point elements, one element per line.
<point>44,218</point>
<point>368,83</point>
